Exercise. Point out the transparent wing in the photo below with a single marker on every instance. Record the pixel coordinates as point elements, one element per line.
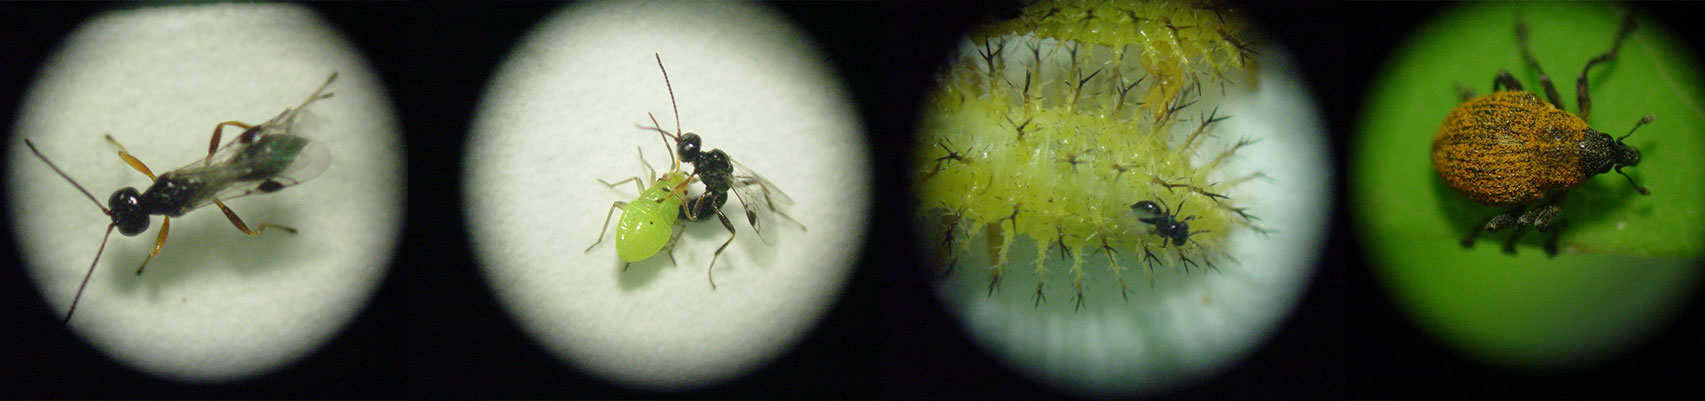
<point>762,201</point>
<point>259,167</point>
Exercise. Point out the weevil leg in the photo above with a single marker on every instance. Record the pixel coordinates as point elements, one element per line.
<point>1464,91</point>
<point>1510,245</point>
<point>159,241</point>
<point>606,226</point>
<point>1544,79</point>
<point>218,132</point>
<point>1581,83</point>
<point>131,160</point>
<point>1544,217</point>
<point>238,221</point>
<point>731,234</point>
<point>1492,224</point>
<point>1505,80</point>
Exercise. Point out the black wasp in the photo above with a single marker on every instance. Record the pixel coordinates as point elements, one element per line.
<point>1172,230</point>
<point>720,173</point>
<point>265,158</point>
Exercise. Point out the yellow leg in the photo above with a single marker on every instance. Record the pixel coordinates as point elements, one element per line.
<point>213,145</point>
<point>131,160</point>
<point>238,221</point>
<point>159,241</point>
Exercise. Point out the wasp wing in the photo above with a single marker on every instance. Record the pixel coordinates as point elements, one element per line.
<point>762,200</point>
<point>266,165</point>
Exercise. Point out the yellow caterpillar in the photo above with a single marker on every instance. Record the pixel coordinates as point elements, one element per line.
<point>1063,117</point>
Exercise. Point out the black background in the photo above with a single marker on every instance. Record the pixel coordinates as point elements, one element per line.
<point>434,332</point>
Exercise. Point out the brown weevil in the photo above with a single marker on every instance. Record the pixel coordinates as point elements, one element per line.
<point>1510,149</point>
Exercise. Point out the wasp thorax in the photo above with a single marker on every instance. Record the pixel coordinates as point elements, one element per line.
<point>127,213</point>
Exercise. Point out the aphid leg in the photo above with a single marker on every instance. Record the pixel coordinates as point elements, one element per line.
<point>238,221</point>
<point>131,160</point>
<point>1505,80</point>
<point>159,241</point>
<point>1581,83</point>
<point>606,225</point>
<point>637,182</point>
<point>1544,80</point>
<point>673,238</point>
<point>730,227</point>
<point>213,144</point>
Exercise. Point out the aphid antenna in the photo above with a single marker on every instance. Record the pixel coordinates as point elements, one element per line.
<point>104,237</point>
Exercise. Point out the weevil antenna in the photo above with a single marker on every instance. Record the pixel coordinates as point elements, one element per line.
<point>1643,120</point>
<point>86,276</point>
<point>1637,187</point>
<point>68,178</point>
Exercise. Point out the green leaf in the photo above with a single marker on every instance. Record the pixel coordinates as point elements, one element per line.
<point>1623,263</point>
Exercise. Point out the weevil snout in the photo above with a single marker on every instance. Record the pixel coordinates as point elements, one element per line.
<point>127,214</point>
<point>1626,155</point>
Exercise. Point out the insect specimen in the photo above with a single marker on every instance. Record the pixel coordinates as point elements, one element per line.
<point>1511,149</point>
<point>720,173</point>
<point>265,158</point>
<point>648,223</point>
<point>1171,229</point>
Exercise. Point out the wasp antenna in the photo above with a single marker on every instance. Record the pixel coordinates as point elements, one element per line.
<point>671,93</point>
<point>317,92</point>
<point>1637,187</point>
<point>67,177</point>
<point>1643,120</point>
<point>86,276</point>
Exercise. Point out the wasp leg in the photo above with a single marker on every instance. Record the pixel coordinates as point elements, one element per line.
<point>159,241</point>
<point>1544,79</point>
<point>606,225</point>
<point>731,234</point>
<point>238,221</point>
<point>1581,83</point>
<point>131,160</point>
<point>213,144</point>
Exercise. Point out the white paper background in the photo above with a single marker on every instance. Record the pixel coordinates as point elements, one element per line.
<point>563,112</point>
<point>216,305</point>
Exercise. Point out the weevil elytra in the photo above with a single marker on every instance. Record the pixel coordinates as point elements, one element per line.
<point>1511,149</point>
